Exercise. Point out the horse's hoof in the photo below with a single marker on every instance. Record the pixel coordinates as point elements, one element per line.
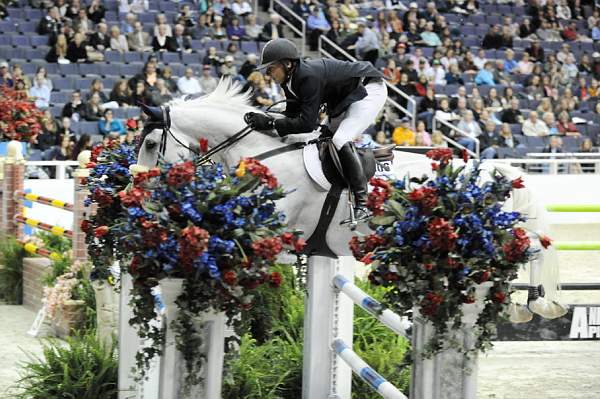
<point>519,313</point>
<point>548,310</point>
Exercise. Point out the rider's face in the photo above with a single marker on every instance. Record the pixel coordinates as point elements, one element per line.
<point>277,72</point>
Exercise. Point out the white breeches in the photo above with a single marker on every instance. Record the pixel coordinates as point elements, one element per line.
<point>359,115</point>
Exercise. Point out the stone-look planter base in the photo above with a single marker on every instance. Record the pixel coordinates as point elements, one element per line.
<point>69,318</point>
<point>107,311</point>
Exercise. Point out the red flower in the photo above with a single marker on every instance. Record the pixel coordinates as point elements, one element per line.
<point>134,197</point>
<point>373,241</point>
<point>465,155</point>
<point>181,174</point>
<point>275,279</point>
<point>518,183</point>
<point>287,238</point>
<point>441,234</point>
<point>499,297</point>
<point>367,259</point>
<point>193,242</point>
<point>356,247</point>
<point>431,303</point>
<point>259,170</point>
<point>519,233</point>
<point>101,197</point>
<point>485,276</point>
<point>85,225</point>
<point>229,277</point>
<point>154,172</point>
<point>545,241</point>
<point>434,166</point>
<point>427,266</point>
<point>203,145</point>
<point>425,198</point>
<point>100,231</point>
<point>299,245</point>
<point>267,248</point>
<point>381,191</point>
<point>444,155</point>
<point>90,165</point>
<point>133,266</point>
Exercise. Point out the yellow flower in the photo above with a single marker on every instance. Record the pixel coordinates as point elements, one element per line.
<point>241,170</point>
<point>111,280</point>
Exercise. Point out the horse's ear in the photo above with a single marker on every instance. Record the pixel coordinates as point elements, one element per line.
<point>154,113</point>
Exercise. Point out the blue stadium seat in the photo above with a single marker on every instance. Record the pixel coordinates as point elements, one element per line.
<point>192,58</point>
<point>16,13</point>
<point>213,43</point>
<point>61,83</point>
<point>20,41</point>
<point>132,57</point>
<point>59,97</point>
<point>83,84</point>
<point>89,69</point>
<point>86,127</point>
<point>68,69</point>
<point>34,14</point>
<point>133,112</point>
<point>248,47</point>
<point>37,40</point>
<point>120,113</point>
<point>7,27</point>
<point>170,57</point>
<point>34,155</point>
<point>129,70</point>
<point>113,56</point>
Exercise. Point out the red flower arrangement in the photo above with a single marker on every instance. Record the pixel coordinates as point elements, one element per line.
<point>20,119</point>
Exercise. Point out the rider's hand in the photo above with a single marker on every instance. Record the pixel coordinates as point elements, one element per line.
<point>259,121</point>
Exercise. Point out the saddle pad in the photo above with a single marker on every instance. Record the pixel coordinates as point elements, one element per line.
<point>313,167</point>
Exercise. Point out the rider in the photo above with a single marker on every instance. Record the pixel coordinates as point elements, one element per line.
<point>354,93</point>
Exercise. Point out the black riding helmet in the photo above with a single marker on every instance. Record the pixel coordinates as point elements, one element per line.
<point>277,50</point>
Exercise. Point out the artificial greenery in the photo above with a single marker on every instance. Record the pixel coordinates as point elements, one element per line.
<point>53,242</point>
<point>11,271</point>
<point>248,375</point>
<point>84,368</point>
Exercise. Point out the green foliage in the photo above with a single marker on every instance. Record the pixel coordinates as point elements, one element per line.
<point>11,271</point>
<point>269,365</point>
<point>85,292</point>
<point>83,368</point>
<point>58,268</point>
<point>54,243</point>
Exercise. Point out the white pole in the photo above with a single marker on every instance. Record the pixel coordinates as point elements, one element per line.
<point>364,371</point>
<point>392,320</point>
<point>128,342</point>
<point>327,315</point>
<point>215,330</point>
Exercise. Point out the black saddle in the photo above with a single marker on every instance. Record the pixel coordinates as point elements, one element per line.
<point>332,168</point>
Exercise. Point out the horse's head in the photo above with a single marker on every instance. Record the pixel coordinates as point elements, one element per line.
<point>158,140</point>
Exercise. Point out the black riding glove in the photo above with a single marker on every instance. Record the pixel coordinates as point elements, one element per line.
<point>259,121</point>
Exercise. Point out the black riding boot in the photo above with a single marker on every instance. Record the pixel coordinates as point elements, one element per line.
<point>355,177</point>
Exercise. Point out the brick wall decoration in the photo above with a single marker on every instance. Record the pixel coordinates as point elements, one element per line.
<point>34,269</point>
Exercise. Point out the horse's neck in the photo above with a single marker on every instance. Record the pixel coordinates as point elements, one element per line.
<point>224,123</point>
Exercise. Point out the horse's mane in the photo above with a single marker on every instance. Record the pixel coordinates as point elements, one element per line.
<point>228,93</point>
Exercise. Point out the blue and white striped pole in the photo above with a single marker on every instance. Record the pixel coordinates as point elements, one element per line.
<point>387,317</point>
<point>364,371</point>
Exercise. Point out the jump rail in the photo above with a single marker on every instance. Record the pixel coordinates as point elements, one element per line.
<point>44,200</point>
<point>56,230</point>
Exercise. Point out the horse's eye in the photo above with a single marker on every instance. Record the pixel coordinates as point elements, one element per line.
<point>150,144</point>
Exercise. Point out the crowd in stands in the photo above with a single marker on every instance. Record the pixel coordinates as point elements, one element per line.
<point>507,73</point>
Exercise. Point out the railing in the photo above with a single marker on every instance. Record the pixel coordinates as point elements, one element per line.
<point>553,164</point>
<point>460,133</point>
<point>61,166</point>
<point>300,31</point>
<point>409,99</point>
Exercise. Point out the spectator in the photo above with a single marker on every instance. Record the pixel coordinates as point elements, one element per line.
<point>367,45</point>
<point>140,94</point>
<point>507,37</point>
<point>429,37</point>
<point>506,138</point>
<point>121,93</point>
<point>241,8</point>
<point>392,72</point>
<point>536,52</point>
<point>228,69</point>
<point>585,64</point>
<point>550,121</point>
<point>249,65</point>
<point>135,7</point>
<point>207,82</point>
<point>160,94</point>
<point>596,31</point>
<point>17,75</point>
<point>162,42</point>
<point>58,52</point>
<point>62,152</point>
<point>40,93</point>
<point>82,24</point>
<point>444,113</point>
<point>261,95</point>
<point>235,31</point>
<point>426,108</point>
<point>485,76</point>
<point>437,74</point>
<point>422,137</point>
<point>403,135</point>
<point>92,110</point>
<point>493,39</point>
<point>138,40</point>
<point>489,141</point>
<point>525,66</point>
<point>317,25</point>
<point>100,40</point>
<point>108,124</point>
<point>234,51</point>
<point>128,25</point>
<point>554,146</point>
<point>535,90</point>
<point>469,129</point>
<point>76,52</point>
<point>5,78</point>
<point>188,84</point>
<point>437,139</point>
<point>534,127</point>
<point>512,115</point>
<point>170,82</point>
<point>97,87</point>
<point>252,28</point>
<point>507,96</point>
<point>50,24</point>
<point>159,21</point>
<point>73,9</point>
<point>83,144</point>
<point>96,11</point>
<point>217,31</point>
<point>212,58</point>
<point>118,42</point>
<point>481,59</point>
<point>183,44</point>
<point>75,108</point>
<point>509,62</point>
<point>565,126</point>
<point>272,29</point>
<point>349,10</point>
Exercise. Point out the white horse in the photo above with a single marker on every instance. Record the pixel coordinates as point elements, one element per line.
<point>219,115</point>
